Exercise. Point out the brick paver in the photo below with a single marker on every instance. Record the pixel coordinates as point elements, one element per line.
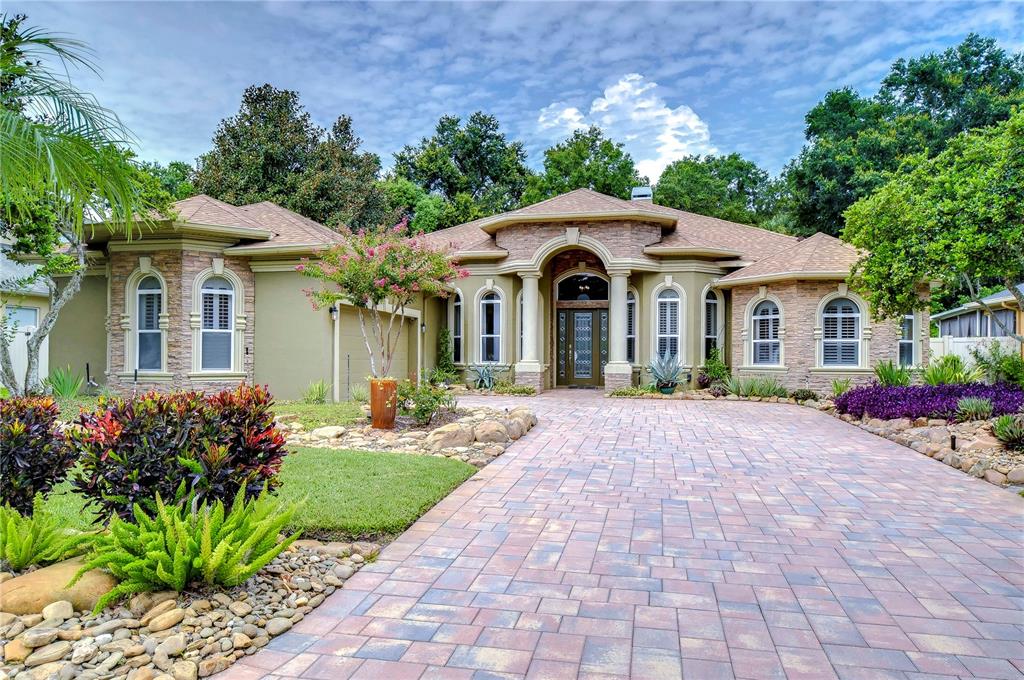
<point>697,540</point>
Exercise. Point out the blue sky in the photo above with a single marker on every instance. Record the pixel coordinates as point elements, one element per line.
<point>665,79</point>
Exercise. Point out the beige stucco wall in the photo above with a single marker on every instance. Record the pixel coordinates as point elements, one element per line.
<point>800,302</point>
<point>294,342</point>
<point>79,336</point>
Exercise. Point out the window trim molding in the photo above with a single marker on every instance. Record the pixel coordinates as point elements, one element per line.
<point>863,342</point>
<point>450,311</point>
<point>666,284</point>
<point>130,319</point>
<point>747,334</point>
<point>239,321</point>
<point>719,321</point>
<point>478,351</point>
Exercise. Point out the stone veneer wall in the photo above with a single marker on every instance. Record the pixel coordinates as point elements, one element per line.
<point>621,238</point>
<point>179,269</point>
<point>799,312</point>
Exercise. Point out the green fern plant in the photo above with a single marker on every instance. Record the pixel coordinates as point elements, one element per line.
<point>183,544</point>
<point>37,539</point>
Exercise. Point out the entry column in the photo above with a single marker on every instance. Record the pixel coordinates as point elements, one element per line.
<point>528,369</point>
<point>617,372</point>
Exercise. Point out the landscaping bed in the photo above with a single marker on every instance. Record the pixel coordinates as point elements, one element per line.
<point>186,580</point>
<point>474,435</point>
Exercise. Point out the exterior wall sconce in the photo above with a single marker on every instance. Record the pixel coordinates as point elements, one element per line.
<point>333,309</point>
<point>423,327</point>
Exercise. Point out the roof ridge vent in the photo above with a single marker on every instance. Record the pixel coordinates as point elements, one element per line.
<point>642,195</point>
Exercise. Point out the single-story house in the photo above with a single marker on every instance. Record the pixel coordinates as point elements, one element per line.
<point>972,325</point>
<point>580,290</point>
<point>972,320</point>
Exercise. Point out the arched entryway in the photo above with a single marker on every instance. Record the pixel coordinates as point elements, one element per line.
<point>580,290</point>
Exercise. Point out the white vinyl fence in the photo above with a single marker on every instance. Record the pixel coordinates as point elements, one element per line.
<point>19,353</point>
<point>962,346</point>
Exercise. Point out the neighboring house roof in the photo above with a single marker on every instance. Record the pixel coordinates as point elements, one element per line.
<point>12,271</point>
<point>997,299</point>
<point>817,257</point>
<point>686,231</point>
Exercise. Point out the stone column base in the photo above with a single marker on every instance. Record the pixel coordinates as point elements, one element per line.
<point>616,375</point>
<point>530,374</point>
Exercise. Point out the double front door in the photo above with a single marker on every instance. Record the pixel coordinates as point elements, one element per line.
<point>582,336</point>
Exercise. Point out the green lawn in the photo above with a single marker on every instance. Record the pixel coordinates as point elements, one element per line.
<point>348,494</point>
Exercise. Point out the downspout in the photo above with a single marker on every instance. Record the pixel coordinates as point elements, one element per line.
<point>336,356</point>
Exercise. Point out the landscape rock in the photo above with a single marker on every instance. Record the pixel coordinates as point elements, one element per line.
<point>166,620</point>
<point>490,431</point>
<point>278,625</point>
<point>37,637</point>
<point>31,592</point>
<point>448,436</point>
<point>55,651</point>
<point>62,609</point>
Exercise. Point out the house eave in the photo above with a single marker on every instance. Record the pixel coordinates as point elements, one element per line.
<point>493,224</point>
<point>693,251</point>
<point>466,255</point>
<point>782,276</point>
<point>272,250</point>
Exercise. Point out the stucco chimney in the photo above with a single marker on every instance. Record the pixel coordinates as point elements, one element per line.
<point>642,194</point>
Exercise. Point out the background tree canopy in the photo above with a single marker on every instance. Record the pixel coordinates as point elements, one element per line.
<point>586,160</point>
<point>272,151</point>
<point>729,187</point>
<point>855,143</point>
<point>954,218</point>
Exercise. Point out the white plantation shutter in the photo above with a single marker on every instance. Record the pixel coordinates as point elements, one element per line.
<point>668,323</point>
<point>218,326</point>
<point>766,322</point>
<point>630,327</point>
<point>840,333</point>
<point>149,340</point>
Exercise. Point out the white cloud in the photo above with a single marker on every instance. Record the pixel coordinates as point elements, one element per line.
<point>634,111</point>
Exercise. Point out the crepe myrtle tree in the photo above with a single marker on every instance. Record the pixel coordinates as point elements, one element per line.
<point>380,272</point>
<point>956,218</point>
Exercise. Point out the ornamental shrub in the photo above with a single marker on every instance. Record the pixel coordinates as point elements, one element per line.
<point>424,402</point>
<point>889,374</point>
<point>804,394</point>
<point>34,456</point>
<point>1009,429</point>
<point>973,408</point>
<point>926,401</point>
<point>195,542</point>
<point>175,445</point>
<point>950,369</point>
<point>999,364</point>
<point>714,369</point>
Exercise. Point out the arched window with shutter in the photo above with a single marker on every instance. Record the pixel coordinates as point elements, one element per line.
<point>217,332</point>
<point>840,333</point>
<point>766,346</point>
<point>149,335</point>
<point>668,323</point>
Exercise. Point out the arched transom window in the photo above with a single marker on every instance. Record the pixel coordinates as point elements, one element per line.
<point>840,333</point>
<point>583,287</point>
<point>668,323</point>
<point>149,336</point>
<point>217,336</point>
<point>490,328</point>
<point>766,348</point>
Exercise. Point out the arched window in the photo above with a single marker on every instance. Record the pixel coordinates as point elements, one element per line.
<point>766,348</point>
<point>668,323</point>
<point>710,323</point>
<point>840,333</point>
<point>630,327</point>
<point>217,333</point>
<point>457,328</point>
<point>490,328</point>
<point>149,336</point>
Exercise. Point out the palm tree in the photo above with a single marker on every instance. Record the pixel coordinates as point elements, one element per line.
<point>56,139</point>
<point>63,158</point>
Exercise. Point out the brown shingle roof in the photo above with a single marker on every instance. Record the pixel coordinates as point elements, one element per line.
<point>203,209</point>
<point>820,255</point>
<point>290,228</point>
<point>690,231</point>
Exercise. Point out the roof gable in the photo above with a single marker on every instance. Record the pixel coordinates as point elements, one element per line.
<point>818,256</point>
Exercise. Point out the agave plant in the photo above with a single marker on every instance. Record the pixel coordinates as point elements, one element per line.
<point>486,376</point>
<point>666,370</point>
<point>1009,429</point>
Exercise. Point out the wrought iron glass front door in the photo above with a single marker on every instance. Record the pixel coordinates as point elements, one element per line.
<point>582,346</point>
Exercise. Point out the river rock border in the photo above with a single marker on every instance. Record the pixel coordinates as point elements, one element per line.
<point>478,436</point>
<point>177,636</point>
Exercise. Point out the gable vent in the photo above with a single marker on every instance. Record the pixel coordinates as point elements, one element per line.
<point>642,194</point>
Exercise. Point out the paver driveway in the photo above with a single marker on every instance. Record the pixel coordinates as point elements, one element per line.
<point>703,540</point>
